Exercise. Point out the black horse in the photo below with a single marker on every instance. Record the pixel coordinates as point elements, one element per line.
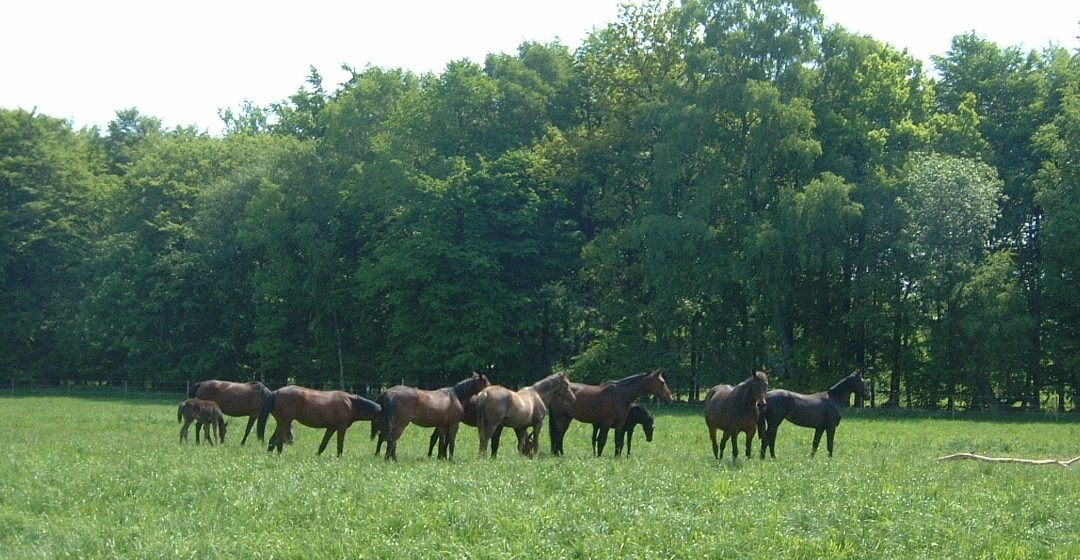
<point>821,411</point>
<point>635,415</point>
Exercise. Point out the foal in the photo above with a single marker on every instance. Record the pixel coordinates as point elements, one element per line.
<point>203,413</point>
<point>635,415</point>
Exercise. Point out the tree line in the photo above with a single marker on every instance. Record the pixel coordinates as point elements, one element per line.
<point>708,188</point>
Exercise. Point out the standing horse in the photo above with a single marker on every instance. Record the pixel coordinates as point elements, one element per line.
<point>498,407</point>
<point>442,409</point>
<point>604,406</point>
<point>234,399</point>
<point>203,413</point>
<point>333,410</point>
<point>733,410</point>
<point>636,415</point>
<point>821,411</point>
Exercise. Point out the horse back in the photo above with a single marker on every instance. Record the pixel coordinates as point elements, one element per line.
<point>234,399</point>
<point>593,404</point>
<point>311,407</point>
<point>809,411</point>
<point>424,408</point>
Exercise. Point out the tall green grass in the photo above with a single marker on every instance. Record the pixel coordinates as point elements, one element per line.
<point>97,479</point>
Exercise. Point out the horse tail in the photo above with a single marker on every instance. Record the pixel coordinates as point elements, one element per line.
<point>481,419</point>
<point>761,423</point>
<point>180,413</point>
<point>192,390</point>
<point>264,413</point>
<point>376,425</point>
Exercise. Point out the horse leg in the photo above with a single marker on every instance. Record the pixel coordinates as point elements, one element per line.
<point>749,443</point>
<point>435,439</point>
<point>198,429</point>
<point>444,443</point>
<point>451,439</point>
<point>817,440</point>
<point>247,430</point>
<point>601,441</point>
<point>620,434</point>
<point>495,437</point>
<point>629,439</point>
<point>723,444</point>
<point>325,440</point>
<point>184,430</point>
<point>595,435</point>
<point>341,440</point>
<point>715,448</point>
<point>829,433</point>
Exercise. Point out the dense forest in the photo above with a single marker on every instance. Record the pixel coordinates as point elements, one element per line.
<point>708,188</point>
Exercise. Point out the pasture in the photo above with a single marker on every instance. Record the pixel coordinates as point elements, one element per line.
<point>100,478</point>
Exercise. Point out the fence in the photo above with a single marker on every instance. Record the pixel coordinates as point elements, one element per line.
<point>178,390</point>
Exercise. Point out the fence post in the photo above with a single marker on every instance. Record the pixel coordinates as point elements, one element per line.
<point>125,389</point>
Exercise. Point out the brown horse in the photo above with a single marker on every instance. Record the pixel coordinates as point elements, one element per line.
<point>498,407</point>
<point>820,411</point>
<point>469,419</point>
<point>234,399</point>
<point>333,410</point>
<point>733,410</point>
<point>637,415</point>
<point>604,406</point>
<point>206,415</point>
<point>442,409</point>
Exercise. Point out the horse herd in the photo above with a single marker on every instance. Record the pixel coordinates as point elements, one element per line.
<point>749,408</point>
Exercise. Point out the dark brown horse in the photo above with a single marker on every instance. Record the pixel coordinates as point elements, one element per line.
<point>498,407</point>
<point>234,399</point>
<point>206,415</point>
<point>333,410</point>
<point>442,409</point>
<point>637,416</point>
<point>733,410</point>
<point>820,411</point>
<point>604,406</point>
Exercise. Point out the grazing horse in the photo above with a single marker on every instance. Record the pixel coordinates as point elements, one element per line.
<point>203,413</point>
<point>821,411</point>
<point>604,406</point>
<point>442,409</point>
<point>234,399</point>
<point>733,410</point>
<point>637,415</point>
<point>333,410</point>
<point>498,407</point>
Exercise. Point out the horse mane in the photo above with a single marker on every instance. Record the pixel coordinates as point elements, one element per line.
<point>844,387</point>
<point>547,382</point>
<point>462,389</point>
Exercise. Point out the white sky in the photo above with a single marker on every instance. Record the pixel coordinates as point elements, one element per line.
<point>182,61</point>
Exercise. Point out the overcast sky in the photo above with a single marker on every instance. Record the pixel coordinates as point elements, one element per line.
<point>182,61</point>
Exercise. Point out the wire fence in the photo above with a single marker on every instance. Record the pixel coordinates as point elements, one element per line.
<point>178,390</point>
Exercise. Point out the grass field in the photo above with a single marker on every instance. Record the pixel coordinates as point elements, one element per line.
<point>107,479</point>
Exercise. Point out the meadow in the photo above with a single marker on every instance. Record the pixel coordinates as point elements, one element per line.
<point>83,478</point>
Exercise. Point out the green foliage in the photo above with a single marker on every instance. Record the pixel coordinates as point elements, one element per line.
<point>707,187</point>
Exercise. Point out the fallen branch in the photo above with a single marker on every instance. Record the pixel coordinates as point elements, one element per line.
<point>957,456</point>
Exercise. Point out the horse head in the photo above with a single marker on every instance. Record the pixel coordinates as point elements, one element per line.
<point>647,426</point>
<point>562,388</point>
<point>860,385</point>
<point>759,387</point>
<point>657,385</point>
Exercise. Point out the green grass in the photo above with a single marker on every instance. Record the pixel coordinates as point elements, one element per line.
<point>93,479</point>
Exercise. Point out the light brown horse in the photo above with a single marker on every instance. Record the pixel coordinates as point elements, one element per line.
<point>605,406</point>
<point>442,409</point>
<point>234,399</point>
<point>333,410</point>
<point>735,409</point>
<point>498,407</point>
<point>206,415</point>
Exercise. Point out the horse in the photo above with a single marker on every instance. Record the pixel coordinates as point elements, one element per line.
<point>604,406</point>
<point>821,411</point>
<point>498,407</point>
<point>636,415</point>
<point>442,409</point>
<point>733,410</point>
<point>234,399</point>
<point>333,410</point>
<point>203,413</point>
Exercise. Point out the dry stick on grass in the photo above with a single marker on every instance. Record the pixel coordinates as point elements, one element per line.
<point>956,456</point>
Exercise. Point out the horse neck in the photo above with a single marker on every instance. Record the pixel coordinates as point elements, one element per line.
<point>743,396</point>
<point>841,392</point>
<point>465,389</point>
<point>544,389</point>
<point>630,388</point>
